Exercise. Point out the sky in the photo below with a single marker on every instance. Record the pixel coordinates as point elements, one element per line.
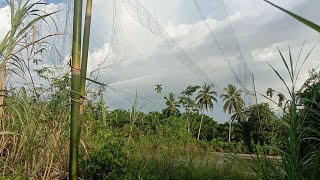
<point>138,44</point>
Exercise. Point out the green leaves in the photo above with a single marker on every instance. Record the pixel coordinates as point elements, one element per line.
<point>299,18</point>
<point>19,14</point>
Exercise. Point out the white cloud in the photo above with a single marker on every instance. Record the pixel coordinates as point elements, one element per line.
<point>265,54</point>
<point>97,57</point>
<point>5,21</point>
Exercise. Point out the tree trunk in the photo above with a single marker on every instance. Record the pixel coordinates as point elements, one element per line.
<point>2,81</point>
<point>200,126</point>
<point>230,122</point>
<point>188,124</point>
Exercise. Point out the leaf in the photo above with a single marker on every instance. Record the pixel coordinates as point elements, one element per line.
<point>7,133</point>
<point>299,18</point>
<point>32,23</point>
<point>285,63</point>
<point>281,78</point>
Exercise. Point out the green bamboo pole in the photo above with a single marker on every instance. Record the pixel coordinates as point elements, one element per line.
<point>75,91</point>
<point>85,50</point>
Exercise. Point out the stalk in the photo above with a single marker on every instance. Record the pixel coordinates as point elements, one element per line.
<point>75,91</point>
<point>85,50</point>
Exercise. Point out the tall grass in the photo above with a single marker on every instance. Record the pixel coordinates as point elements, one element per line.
<point>36,147</point>
<point>295,164</point>
<point>188,165</point>
<point>24,16</point>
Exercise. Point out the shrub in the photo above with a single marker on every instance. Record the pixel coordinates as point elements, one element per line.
<point>105,163</point>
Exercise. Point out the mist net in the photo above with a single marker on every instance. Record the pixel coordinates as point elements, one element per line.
<point>154,43</point>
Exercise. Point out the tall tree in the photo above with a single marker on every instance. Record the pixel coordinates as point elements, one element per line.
<point>187,102</point>
<point>205,98</point>
<point>158,88</point>
<point>172,106</point>
<point>233,104</point>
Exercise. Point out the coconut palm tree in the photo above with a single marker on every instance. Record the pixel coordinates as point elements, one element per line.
<point>205,98</point>
<point>281,99</point>
<point>233,104</point>
<point>158,88</point>
<point>270,92</point>
<point>172,106</point>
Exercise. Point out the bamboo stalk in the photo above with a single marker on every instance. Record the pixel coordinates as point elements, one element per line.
<point>85,51</point>
<point>75,91</point>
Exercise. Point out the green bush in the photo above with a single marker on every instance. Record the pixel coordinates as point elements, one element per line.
<point>106,163</point>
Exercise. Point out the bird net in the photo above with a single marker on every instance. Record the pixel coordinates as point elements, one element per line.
<point>174,44</point>
<point>154,43</point>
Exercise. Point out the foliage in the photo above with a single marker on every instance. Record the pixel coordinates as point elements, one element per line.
<point>206,96</point>
<point>172,106</point>
<point>297,165</point>
<point>158,88</point>
<point>106,163</point>
<point>262,127</point>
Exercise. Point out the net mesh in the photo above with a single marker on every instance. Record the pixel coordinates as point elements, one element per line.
<point>153,43</point>
<point>175,44</point>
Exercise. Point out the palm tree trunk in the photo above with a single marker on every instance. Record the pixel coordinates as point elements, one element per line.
<point>230,122</point>
<point>2,81</point>
<point>75,91</point>
<point>188,124</point>
<point>199,131</point>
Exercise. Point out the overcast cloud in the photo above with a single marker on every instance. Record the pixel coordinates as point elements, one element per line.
<point>139,59</point>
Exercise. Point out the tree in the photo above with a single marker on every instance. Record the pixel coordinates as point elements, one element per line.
<point>206,96</point>
<point>233,104</point>
<point>270,92</point>
<point>172,106</point>
<point>158,88</point>
<point>309,98</point>
<point>261,127</point>
<point>281,99</point>
<point>187,102</point>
